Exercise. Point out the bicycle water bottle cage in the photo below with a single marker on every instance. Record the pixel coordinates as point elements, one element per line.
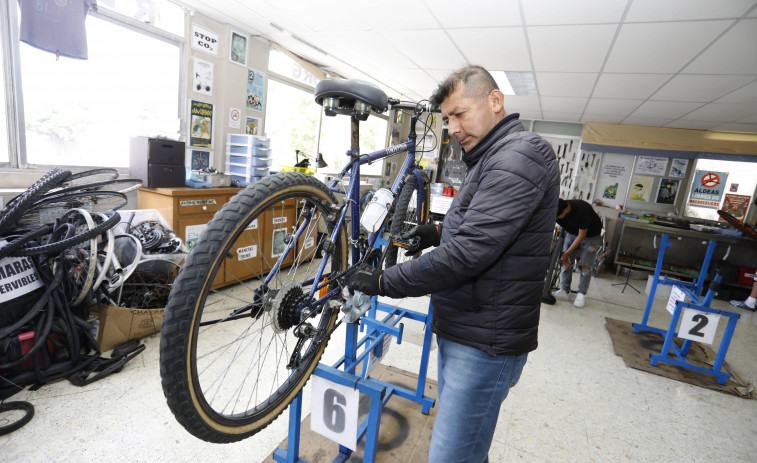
<point>350,97</point>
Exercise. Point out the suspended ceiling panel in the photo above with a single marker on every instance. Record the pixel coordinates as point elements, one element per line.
<point>672,63</point>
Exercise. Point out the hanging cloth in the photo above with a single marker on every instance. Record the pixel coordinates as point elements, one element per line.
<point>56,26</point>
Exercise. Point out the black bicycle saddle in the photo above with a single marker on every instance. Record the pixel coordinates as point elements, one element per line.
<point>350,97</point>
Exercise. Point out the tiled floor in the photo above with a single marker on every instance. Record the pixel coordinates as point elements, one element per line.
<point>576,402</point>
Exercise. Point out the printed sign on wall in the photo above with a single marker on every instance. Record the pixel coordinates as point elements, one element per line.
<point>736,205</point>
<point>204,40</point>
<point>707,189</point>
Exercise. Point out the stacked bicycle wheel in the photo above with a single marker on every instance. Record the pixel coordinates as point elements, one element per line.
<point>52,239</point>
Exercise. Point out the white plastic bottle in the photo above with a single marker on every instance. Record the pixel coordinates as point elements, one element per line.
<point>376,211</point>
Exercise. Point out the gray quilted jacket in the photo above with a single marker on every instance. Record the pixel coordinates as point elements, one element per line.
<point>486,276</point>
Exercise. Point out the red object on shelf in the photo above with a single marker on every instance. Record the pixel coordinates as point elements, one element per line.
<point>746,276</point>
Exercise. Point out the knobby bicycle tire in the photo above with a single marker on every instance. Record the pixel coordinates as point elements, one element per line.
<point>25,407</point>
<point>57,246</point>
<point>17,206</point>
<point>24,239</point>
<point>203,325</point>
<point>406,216</point>
<point>120,185</point>
<point>50,208</point>
<point>90,176</point>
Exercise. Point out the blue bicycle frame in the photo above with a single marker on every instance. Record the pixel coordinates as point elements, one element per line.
<point>352,195</point>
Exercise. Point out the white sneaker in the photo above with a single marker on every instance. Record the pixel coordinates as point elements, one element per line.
<point>579,302</point>
<point>561,295</point>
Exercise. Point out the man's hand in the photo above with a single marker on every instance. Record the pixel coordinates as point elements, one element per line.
<point>429,234</point>
<point>365,279</point>
<point>565,259</point>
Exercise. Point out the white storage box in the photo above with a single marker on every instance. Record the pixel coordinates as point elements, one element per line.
<point>248,160</point>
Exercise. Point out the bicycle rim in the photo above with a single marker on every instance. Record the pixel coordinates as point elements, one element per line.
<point>121,185</point>
<point>406,216</point>
<point>17,206</point>
<point>50,208</point>
<point>80,261</point>
<point>227,380</point>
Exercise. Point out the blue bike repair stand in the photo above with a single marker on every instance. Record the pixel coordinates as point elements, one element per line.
<point>379,391</point>
<point>693,292</point>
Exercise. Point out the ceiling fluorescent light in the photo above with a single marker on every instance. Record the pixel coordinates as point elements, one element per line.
<point>523,83</point>
<point>515,83</point>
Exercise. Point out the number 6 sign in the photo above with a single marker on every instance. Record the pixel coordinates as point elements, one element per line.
<point>334,411</point>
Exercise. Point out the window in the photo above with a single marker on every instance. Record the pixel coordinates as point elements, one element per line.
<point>742,181</point>
<point>4,148</point>
<point>83,112</point>
<point>291,122</point>
<point>335,141</point>
<point>294,120</point>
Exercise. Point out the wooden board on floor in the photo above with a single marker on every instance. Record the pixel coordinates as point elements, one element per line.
<point>636,348</point>
<point>404,434</point>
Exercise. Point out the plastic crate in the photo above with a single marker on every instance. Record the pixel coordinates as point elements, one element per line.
<point>303,170</point>
<point>254,161</point>
<point>247,170</point>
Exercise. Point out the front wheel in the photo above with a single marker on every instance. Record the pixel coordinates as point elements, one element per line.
<point>228,339</point>
<point>407,215</point>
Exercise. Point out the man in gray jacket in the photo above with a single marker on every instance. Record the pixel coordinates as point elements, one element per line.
<point>487,272</point>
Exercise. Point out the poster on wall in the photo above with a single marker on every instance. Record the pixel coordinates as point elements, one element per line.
<point>201,124</point>
<point>255,89</point>
<point>202,82</point>
<point>641,188</point>
<point>612,182</point>
<point>736,205</point>
<point>204,40</point>
<point>668,190</point>
<point>650,165</point>
<point>238,49</point>
<point>251,125</point>
<point>678,168</point>
<point>235,118</point>
<point>199,159</point>
<point>707,189</point>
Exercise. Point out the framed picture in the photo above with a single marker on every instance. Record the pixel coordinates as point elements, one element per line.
<point>238,48</point>
<point>199,159</point>
<point>252,125</point>
<point>668,190</point>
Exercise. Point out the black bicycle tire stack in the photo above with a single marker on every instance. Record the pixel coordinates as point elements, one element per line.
<point>44,338</point>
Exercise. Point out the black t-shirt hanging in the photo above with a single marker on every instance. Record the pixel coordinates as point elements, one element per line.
<point>581,216</point>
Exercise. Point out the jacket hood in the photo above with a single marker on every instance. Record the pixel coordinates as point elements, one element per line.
<point>503,127</point>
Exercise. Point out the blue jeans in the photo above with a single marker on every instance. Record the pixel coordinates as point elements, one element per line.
<point>472,386</point>
<point>586,251</point>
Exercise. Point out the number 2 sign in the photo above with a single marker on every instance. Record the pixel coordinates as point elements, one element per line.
<point>698,326</point>
<point>334,411</point>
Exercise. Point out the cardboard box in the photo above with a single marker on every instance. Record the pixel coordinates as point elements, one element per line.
<point>121,324</point>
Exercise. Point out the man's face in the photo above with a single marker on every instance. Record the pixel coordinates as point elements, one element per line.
<point>470,118</point>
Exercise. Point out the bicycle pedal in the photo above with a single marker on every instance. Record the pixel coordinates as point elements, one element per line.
<point>405,243</point>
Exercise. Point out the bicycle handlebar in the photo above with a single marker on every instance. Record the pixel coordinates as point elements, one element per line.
<point>419,107</point>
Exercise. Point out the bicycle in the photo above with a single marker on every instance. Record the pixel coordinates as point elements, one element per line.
<point>232,359</point>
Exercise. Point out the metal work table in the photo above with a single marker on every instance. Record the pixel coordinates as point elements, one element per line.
<point>688,250</point>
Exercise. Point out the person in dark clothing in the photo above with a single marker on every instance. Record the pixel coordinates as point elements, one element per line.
<point>485,276</point>
<point>583,229</point>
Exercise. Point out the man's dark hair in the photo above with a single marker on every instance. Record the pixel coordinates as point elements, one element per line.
<point>477,81</point>
<point>561,205</point>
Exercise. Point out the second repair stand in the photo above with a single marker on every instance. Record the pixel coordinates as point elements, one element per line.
<point>693,292</point>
